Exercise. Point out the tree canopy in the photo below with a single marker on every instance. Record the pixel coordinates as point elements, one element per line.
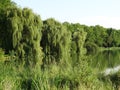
<point>6,3</point>
<point>55,40</point>
<point>20,30</point>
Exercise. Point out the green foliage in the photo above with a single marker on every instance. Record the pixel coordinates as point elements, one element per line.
<point>115,78</point>
<point>77,49</point>
<point>92,48</point>
<point>79,39</point>
<point>21,36</point>
<point>6,3</point>
<point>2,53</point>
<point>21,32</point>
<point>14,76</point>
<point>55,41</point>
<point>96,35</point>
<point>77,42</point>
<point>73,27</point>
<point>116,38</point>
<point>102,37</point>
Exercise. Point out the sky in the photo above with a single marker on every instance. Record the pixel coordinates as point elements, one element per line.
<point>89,12</point>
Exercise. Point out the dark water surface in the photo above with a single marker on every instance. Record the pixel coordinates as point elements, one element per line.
<point>106,59</point>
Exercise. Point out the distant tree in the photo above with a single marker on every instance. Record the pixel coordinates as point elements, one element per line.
<point>100,35</point>
<point>73,27</point>
<point>110,37</point>
<point>90,34</point>
<point>96,35</point>
<point>116,38</point>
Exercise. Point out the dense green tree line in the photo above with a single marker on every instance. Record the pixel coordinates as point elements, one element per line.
<point>97,36</point>
<point>20,31</point>
<point>28,36</point>
<point>103,37</point>
<point>24,32</point>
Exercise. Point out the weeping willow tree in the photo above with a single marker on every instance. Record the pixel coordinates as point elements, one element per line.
<point>55,41</point>
<point>6,3</point>
<point>20,30</point>
<point>77,49</point>
<point>78,39</point>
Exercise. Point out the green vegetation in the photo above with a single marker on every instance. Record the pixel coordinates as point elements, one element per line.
<point>56,41</point>
<point>49,55</point>
<point>103,37</point>
<point>21,32</point>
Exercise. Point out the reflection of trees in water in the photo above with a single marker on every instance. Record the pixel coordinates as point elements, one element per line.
<point>106,59</point>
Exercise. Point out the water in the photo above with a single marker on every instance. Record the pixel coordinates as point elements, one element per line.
<point>107,61</point>
<point>111,70</point>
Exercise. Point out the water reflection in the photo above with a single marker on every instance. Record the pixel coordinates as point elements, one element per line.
<point>111,70</point>
<point>106,59</point>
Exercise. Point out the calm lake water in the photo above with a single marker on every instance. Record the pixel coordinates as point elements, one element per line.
<point>106,60</point>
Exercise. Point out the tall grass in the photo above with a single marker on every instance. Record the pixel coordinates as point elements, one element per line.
<point>52,78</point>
<point>62,76</point>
